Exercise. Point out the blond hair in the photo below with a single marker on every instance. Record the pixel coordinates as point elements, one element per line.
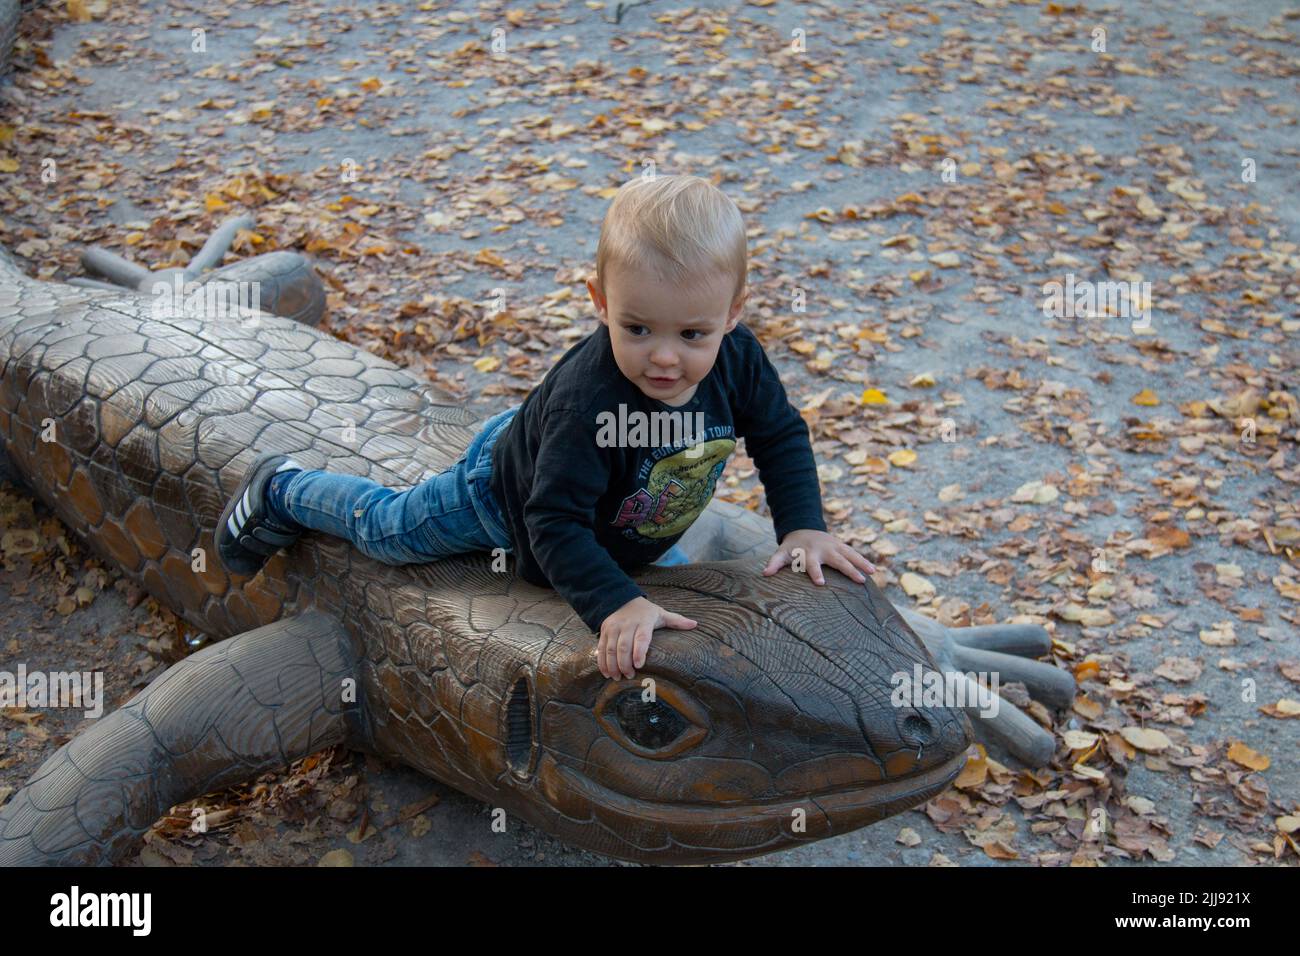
<point>683,228</point>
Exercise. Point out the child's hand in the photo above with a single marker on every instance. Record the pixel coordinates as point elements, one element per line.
<point>820,548</point>
<point>625,635</point>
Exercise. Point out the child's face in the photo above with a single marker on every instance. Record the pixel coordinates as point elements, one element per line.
<point>665,338</point>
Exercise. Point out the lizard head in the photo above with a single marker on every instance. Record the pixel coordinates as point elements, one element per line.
<point>772,723</point>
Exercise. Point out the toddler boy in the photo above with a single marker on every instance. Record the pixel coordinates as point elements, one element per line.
<point>612,457</point>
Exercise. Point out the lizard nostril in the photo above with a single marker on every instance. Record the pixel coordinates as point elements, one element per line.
<point>917,730</point>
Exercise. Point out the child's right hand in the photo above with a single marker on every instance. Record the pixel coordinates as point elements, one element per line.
<point>625,635</point>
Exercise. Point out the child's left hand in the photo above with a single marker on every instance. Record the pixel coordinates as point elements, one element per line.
<point>820,548</point>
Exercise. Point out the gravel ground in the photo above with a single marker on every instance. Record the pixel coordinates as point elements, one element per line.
<point>1163,551</point>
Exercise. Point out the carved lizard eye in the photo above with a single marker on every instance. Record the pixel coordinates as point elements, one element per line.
<point>657,725</point>
<point>651,725</point>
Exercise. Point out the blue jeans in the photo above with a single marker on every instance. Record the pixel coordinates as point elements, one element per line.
<point>453,512</point>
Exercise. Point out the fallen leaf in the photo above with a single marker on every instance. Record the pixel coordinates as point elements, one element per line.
<point>1035,492</point>
<point>1239,753</point>
<point>1079,739</point>
<point>1221,635</point>
<point>975,771</point>
<point>1146,739</point>
<point>1180,670</point>
<point>1286,707</point>
<point>1087,616</point>
<point>914,585</point>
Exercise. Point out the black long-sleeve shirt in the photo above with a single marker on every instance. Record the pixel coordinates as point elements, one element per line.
<point>587,496</point>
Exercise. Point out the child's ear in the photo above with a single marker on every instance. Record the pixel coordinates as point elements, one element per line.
<point>599,301</point>
<point>737,307</point>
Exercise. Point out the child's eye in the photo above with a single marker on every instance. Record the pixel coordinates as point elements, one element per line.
<point>695,332</point>
<point>633,328</point>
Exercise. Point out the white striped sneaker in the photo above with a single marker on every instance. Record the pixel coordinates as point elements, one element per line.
<point>247,534</point>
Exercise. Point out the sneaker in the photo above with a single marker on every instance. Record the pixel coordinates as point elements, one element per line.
<point>247,535</point>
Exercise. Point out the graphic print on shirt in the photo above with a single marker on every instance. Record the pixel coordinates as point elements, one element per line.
<point>673,489</point>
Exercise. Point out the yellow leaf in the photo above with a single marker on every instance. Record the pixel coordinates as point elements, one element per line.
<point>903,458</point>
<point>372,83</point>
<point>1087,616</point>
<point>1035,492</point>
<point>1091,773</point>
<point>1223,634</point>
<point>487,363</point>
<point>1239,753</point>
<point>212,202</point>
<point>1078,739</point>
<point>1148,208</point>
<point>1147,739</point>
<point>77,11</point>
<point>8,165</point>
<point>1146,397</point>
<point>1285,707</point>
<point>914,585</point>
<point>975,772</point>
<point>874,396</point>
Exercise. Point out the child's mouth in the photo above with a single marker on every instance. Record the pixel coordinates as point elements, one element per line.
<point>661,381</point>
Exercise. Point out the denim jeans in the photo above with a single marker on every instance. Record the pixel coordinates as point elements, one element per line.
<point>453,512</point>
